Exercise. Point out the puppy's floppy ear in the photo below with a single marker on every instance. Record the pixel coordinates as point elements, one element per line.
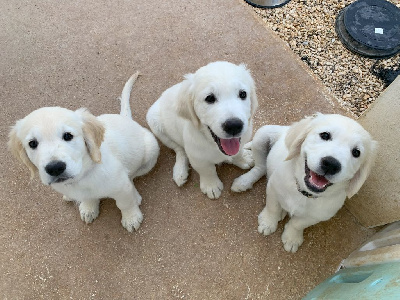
<point>17,149</point>
<point>253,93</point>
<point>185,102</point>
<point>362,174</point>
<point>93,134</point>
<point>296,135</point>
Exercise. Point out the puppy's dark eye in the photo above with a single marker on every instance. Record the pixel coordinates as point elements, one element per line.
<point>67,136</point>
<point>355,152</point>
<point>33,144</point>
<point>211,99</point>
<point>326,136</point>
<point>242,94</point>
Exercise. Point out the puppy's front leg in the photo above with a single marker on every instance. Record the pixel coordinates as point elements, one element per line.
<point>292,236</point>
<point>89,210</point>
<point>244,159</point>
<point>210,184</point>
<point>246,181</point>
<point>271,214</point>
<point>181,167</point>
<point>262,142</point>
<point>128,202</point>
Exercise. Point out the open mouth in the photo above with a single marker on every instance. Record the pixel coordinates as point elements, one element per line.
<point>226,146</point>
<point>315,182</point>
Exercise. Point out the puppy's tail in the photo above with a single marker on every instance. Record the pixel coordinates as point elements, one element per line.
<point>126,92</point>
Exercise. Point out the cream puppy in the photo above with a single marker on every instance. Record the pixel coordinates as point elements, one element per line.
<point>311,166</point>
<point>86,158</point>
<point>206,119</point>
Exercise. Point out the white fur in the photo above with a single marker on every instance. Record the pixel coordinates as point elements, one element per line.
<point>101,160</point>
<point>285,163</point>
<point>180,119</point>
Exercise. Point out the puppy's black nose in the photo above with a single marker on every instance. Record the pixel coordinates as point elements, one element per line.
<point>232,126</point>
<point>55,168</point>
<point>330,165</point>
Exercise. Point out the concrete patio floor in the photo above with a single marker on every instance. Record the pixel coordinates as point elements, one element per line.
<point>79,54</point>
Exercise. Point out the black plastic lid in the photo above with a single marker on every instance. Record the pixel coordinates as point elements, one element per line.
<point>267,3</point>
<point>370,28</point>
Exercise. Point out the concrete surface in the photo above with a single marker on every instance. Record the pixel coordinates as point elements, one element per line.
<point>80,53</point>
<point>378,203</point>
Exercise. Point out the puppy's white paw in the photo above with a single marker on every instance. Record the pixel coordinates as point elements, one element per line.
<point>241,184</point>
<point>180,173</point>
<point>292,239</point>
<point>266,226</point>
<point>246,160</point>
<point>89,211</point>
<point>212,189</point>
<point>248,157</point>
<point>131,219</point>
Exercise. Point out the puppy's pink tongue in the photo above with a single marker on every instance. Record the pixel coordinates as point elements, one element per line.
<point>318,180</point>
<point>230,146</point>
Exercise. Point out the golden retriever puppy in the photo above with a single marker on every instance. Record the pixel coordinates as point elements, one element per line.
<point>86,158</point>
<point>206,119</point>
<point>311,166</point>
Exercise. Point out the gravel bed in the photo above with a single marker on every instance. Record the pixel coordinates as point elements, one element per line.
<point>308,26</point>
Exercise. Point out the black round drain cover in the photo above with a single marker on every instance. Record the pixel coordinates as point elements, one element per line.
<point>370,28</point>
<point>267,3</point>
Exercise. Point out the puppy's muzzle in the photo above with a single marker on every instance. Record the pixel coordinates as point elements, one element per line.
<point>233,126</point>
<point>55,168</point>
<point>330,165</point>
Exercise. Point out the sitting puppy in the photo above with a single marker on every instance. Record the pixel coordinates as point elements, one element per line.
<point>206,119</point>
<point>87,158</point>
<point>311,167</point>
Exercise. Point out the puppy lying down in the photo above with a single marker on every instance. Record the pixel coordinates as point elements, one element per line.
<point>206,119</point>
<point>311,167</point>
<point>86,158</point>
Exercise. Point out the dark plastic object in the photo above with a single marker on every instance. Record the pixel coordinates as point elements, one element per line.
<point>267,3</point>
<point>387,75</point>
<point>370,28</point>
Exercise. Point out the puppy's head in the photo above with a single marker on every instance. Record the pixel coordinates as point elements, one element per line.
<point>333,149</point>
<point>57,143</point>
<point>220,99</point>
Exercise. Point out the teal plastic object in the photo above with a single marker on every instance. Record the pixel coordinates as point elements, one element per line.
<point>371,282</point>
